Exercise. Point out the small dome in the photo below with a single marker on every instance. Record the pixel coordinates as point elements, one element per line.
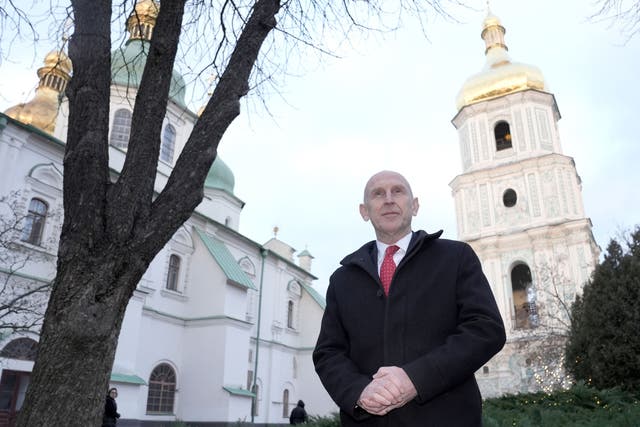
<point>490,21</point>
<point>220,177</point>
<point>147,8</point>
<point>42,110</point>
<point>58,60</point>
<point>500,75</point>
<point>127,65</point>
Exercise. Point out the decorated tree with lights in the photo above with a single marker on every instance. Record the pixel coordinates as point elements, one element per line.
<point>603,349</point>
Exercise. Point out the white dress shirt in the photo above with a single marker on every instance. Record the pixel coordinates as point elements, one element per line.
<point>403,244</point>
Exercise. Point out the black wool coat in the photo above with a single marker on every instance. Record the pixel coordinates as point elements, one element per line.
<point>440,323</point>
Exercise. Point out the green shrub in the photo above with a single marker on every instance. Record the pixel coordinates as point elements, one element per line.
<point>580,406</point>
<point>331,421</point>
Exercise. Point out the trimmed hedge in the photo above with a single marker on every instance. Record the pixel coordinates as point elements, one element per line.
<point>580,406</point>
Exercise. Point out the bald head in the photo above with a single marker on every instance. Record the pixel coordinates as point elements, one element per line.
<point>381,176</point>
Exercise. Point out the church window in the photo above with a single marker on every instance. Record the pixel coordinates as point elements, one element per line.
<point>20,349</point>
<point>162,390</point>
<point>295,367</point>
<point>173,273</point>
<point>524,298</point>
<point>509,198</point>
<point>168,144</point>
<point>285,403</point>
<point>34,222</point>
<point>503,135</point>
<point>290,313</point>
<point>121,129</point>
<point>485,370</point>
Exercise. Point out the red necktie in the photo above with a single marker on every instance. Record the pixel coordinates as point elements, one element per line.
<point>388,267</point>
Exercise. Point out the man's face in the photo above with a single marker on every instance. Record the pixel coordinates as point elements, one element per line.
<point>389,204</point>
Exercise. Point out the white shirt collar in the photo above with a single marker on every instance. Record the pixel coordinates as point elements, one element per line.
<point>403,244</point>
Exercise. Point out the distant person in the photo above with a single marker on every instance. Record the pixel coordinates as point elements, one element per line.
<point>111,414</point>
<point>298,414</point>
<point>409,319</point>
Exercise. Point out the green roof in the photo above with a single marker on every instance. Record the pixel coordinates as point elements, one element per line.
<point>239,391</point>
<point>315,295</point>
<point>220,176</point>
<point>305,253</point>
<point>123,378</point>
<point>127,65</point>
<point>226,261</point>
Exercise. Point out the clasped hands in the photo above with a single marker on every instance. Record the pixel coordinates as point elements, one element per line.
<point>390,388</point>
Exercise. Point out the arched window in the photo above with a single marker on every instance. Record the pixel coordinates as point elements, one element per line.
<point>173,273</point>
<point>290,311</point>
<point>162,390</point>
<point>524,299</point>
<point>503,135</point>
<point>21,349</point>
<point>168,144</point>
<point>121,129</point>
<point>285,403</point>
<point>34,222</point>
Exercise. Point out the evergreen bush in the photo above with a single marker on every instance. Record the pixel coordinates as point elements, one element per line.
<point>603,348</point>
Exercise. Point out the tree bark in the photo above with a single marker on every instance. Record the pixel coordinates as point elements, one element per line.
<point>111,232</point>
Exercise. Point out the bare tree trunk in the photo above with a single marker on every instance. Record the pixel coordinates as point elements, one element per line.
<point>77,348</point>
<point>111,232</point>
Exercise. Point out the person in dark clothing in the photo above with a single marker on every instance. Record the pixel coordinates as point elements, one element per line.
<point>298,414</point>
<point>111,414</point>
<point>409,318</point>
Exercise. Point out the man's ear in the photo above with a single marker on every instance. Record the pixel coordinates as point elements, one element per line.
<point>415,206</point>
<point>364,212</point>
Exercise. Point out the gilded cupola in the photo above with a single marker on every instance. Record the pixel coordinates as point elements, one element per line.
<point>500,76</point>
<point>42,110</point>
<point>141,22</point>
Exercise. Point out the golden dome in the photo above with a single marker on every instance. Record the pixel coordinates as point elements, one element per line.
<point>42,110</point>
<point>57,59</point>
<point>500,75</point>
<point>148,8</point>
<point>142,20</point>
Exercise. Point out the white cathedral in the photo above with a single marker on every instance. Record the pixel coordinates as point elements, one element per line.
<point>221,328</point>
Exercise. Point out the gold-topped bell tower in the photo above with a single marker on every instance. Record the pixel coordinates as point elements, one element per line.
<point>518,203</point>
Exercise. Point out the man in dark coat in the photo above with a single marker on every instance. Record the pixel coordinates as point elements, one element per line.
<point>298,414</point>
<point>405,355</point>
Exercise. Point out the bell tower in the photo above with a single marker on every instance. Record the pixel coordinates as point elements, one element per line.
<point>518,203</point>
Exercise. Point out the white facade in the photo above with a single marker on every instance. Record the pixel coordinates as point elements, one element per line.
<point>214,309</point>
<point>518,203</point>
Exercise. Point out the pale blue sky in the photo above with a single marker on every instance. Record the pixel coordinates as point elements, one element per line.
<point>388,103</point>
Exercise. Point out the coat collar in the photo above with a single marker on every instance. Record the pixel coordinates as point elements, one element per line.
<point>366,257</point>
